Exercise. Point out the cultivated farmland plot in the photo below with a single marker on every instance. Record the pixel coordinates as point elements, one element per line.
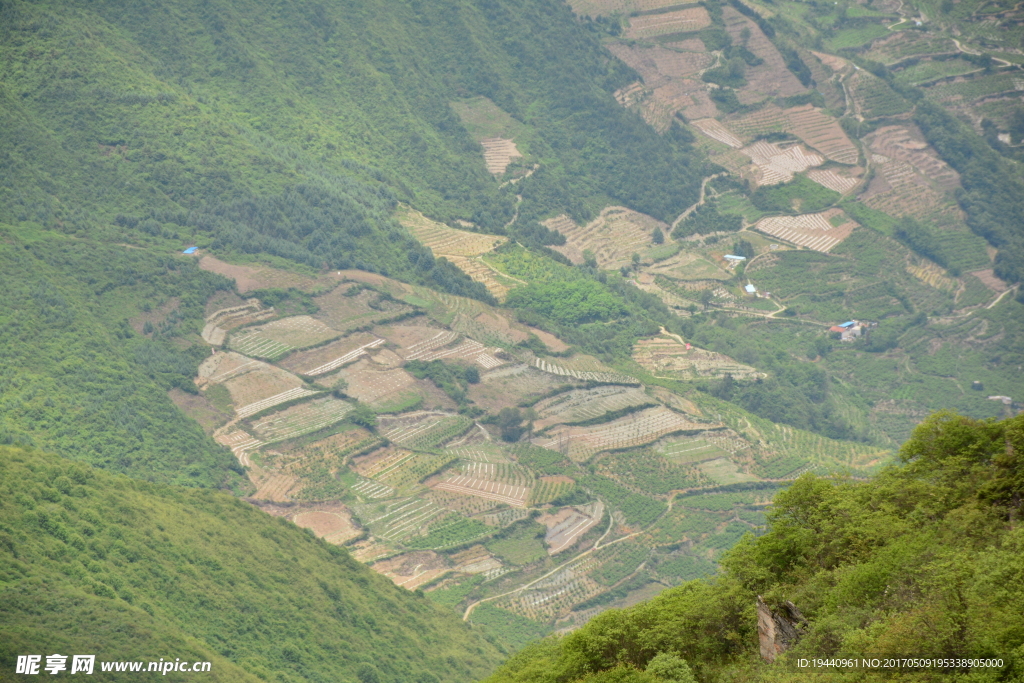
<point>241,444</point>
<point>551,488</point>
<point>482,452</point>
<point>568,525</point>
<point>636,429</point>
<point>217,325</point>
<point>595,8</point>
<point>400,467</point>
<point>366,307</point>
<point>412,570</point>
<point>812,230</point>
<point>839,182</point>
<point>369,384</point>
<point>475,560</point>
<point>442,345</point>
<point>906,143</point>
<point>771,78</point>
<point>445,241</point>
<point>716,130</point>
<point>668,357</point>
<point>423,430</point>
<point>498,154</point>
<point>679,21</point>
<point>403,518</point>
<point>614,236</point>
<point>254,385</point>
<point>823,133</point>
<point>335,526</point>
<point>725,471</point>
<point>582,367</point>
<point>274,339</point>
<point>898,189</point>
<point>586,404</point>
<point>556,594</point>
<point>768,119</point>
<point>688,451</point>
<point>469,485</point>
<point>777,165</point>
<point>301,419</point>
<point>329,358</point>
<point>497,283</point>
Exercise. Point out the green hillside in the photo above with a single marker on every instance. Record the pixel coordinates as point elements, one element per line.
<point>922,561</point>
<point>92,562</point>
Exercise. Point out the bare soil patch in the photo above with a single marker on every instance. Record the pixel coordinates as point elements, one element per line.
<point>250,277</point>
<point>412,570</point>
<point>678,21</point>
<point>334,527</point>
<point>199,408</point>
<point>330,357</point>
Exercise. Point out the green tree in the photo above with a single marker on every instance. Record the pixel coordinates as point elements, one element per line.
<point>510,422</point>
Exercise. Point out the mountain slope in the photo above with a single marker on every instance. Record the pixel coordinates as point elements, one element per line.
<point>166,572</point>
<point>922,561</point>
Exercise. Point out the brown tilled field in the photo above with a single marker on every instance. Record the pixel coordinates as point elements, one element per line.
<point>823,133</point>
<point>812,230</point>
<point>678,21</point>
<point>670,83</point>
<point>566,526</point>
<point>330,357</point>
<point>769,79</point>
<point>476,268</point>
<point>613,237</point>
<point>369,384</point>
<point>298,420</point>
<point>248,278</point>
<point>668,357</point>
<point>334,527</point>
<point>768,119</point>
<point>842,181</point>
<point>249,381</point>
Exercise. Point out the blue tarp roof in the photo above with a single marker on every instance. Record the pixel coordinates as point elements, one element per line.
<point>190,250</point>
<point>849,324</point>
<point>734,256</point>
<point>750,288</point>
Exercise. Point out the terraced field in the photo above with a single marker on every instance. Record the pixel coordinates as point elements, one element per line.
<point>445,241</point>
<point>613,237</point>
<point>423,430</point>
<point>329,358</point>
<point>823,133</point>
<point>687,450</point>
<point>397,467</point>
<point>568,525</point>
<point>369,384</point>
<point>777,165</point>
<point>906,143</point>
<point>334,527</point>
<point>668,357</point>
<point>678,21</point>
<point>404,518</point>
<point>636,429</point>
<point>770,78</point>
<point>716,130</point>
<point>586,404</point>
<point>812,230</point>
<point>301,419</point>
<point>254,385</point>
<point>596,8</point>
<point>841,182</point>
<point>767,119</point>
<point>220,322</point>
<point>578,368</point>
<point>498,154</point>
<point>275,339</point>
<point>500,492</point>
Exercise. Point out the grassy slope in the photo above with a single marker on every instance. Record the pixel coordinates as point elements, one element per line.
<point>157,571</point>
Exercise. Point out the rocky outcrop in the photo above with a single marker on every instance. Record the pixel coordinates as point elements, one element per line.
<point>777,631</point>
